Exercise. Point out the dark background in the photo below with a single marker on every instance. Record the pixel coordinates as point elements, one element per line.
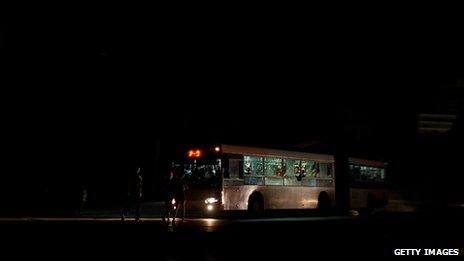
<point>87,94</point>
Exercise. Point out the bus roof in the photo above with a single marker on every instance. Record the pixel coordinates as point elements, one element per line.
<point>366,162</point>
<point>233,149</point>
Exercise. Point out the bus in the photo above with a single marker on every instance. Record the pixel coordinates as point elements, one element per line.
<point>368,184</point>
<point>230,177</point>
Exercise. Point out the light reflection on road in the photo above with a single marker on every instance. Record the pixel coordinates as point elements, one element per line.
<point>208,220</point>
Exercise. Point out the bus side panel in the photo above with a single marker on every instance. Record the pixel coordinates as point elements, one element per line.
<point>359,197</point>
<point>236,197</point>
<point>310,196</point>
<point>279,197</point>
<point>294,197</point>
<point>275,197</point>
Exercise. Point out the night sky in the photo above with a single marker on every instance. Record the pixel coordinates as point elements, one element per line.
<point>89,95</point>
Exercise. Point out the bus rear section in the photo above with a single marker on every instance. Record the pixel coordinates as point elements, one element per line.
<point>368,184</point>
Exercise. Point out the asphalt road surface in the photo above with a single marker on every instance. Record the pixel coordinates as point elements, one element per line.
<point>275,238</point>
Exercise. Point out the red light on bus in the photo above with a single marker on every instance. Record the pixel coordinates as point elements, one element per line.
<point>194,153</point>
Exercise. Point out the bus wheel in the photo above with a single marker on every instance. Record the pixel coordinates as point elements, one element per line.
<point>256,204</point>
<point>323,201</point>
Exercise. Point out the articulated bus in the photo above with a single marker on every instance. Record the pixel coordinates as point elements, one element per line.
<point>228,177</point>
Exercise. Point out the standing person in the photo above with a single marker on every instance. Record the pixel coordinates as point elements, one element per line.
<point>180,189</point>
<point>128,196</point>
<point>138,193</point>
<point>133,195</point>
<point>83,199</point>
<point>168,195</point>
<point>126,205</point>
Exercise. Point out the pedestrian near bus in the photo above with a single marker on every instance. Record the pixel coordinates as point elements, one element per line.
<point>168,195</point>
<point>180,189</point>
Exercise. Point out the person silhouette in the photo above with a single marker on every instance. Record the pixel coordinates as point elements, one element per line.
<point>180,188</point>
<point>134,194</point>
<point>138,193</point>
<point>168,195</point>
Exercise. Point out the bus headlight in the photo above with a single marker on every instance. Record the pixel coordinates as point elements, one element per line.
<point>211,200</point>
<point>209,207</point>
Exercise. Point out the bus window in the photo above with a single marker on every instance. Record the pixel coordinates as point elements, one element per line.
<point>367,174</point>
<point>234,168</point>
<point>291,172</point>
<point>364,173</point>
<point>226,169</point>
<point>378,174</point>
<point>240,169</point>
<point>309,168</point>
<point>372,174</point>
<point>253,165</point>
<point>290,167</point>
<point>330,170</point>
<point>202,176</point>
<point>382,174</point>
<point>355,172</point>
<point>325,170</point>
<point>273,167</point>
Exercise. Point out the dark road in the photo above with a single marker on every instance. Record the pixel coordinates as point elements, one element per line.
<point>282,238</point>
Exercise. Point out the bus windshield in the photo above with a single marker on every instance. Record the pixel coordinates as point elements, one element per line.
<point>203,176</point>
